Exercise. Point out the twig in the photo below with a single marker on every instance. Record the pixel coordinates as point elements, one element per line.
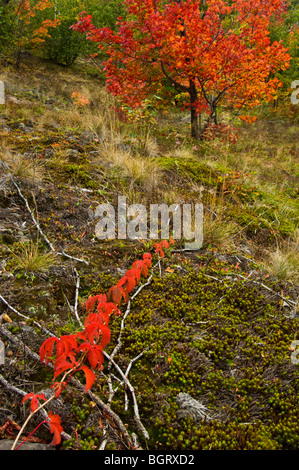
<point>212,277</point>
<point>131,388</point>
<point>113,391</point>
<point>104,441</point>
<point>76,383</point>
<point>70,307</point>
<point>76,297</point>
<point>32,215</point>
<point>18,391</point>
<point>248,259</point>
<point>60,253</point>
<point>24,316</point>
<point>134,360</point>
<point>264,286</point>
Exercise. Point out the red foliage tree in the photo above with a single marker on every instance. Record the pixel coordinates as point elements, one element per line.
<point>207,51</point>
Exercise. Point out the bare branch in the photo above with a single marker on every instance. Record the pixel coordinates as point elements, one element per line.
<point>24,316</point>
<point>76,296</point>
<point>60,253</point>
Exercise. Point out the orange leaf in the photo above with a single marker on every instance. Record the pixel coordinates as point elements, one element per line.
<point>55,428</point>
<point>46,349</point>
<point>91,301</point>
<point>116,293</point>
<point>90,377</point>
<point>34,399</point>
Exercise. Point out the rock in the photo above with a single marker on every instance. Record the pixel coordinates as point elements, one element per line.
<point>6,444</point>
<point>12,99</point>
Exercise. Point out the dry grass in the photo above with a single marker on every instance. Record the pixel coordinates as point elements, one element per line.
<point>283,263</point>
<point>129,156</point>
<point>140,171</point>
<point>21,166</point>
<point>170,196</point>
<point>218,231</point>
<point>267,152</point>
<point>30,257</point>
<point>24,168</point>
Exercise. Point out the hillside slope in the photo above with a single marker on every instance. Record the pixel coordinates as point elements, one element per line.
<point>208,340</point>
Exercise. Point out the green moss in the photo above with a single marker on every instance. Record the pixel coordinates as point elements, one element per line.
<point>77,173</point>
<point>192,168</point>
<point>217,342</point>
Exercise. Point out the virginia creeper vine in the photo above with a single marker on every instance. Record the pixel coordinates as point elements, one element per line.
<point>84,350</point>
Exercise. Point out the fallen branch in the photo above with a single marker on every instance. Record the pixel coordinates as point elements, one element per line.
<point>59,253</point>
<point>107,410</point>
<point>18,391</point>
<point>76,297</point>
<point>289,302</point>
<point>131,388</point>
<point>13,339</point>
<point>24,316</point>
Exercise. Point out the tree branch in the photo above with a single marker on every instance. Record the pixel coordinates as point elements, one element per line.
<point>60,253</point>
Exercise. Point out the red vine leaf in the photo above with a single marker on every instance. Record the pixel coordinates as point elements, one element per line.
<point>91,301</point>
<point>55,428</point>
<point>142,266</point>
<point>117,293</point>
<point>34,399</point>
<point>90,377</point>
<point>46,349</point>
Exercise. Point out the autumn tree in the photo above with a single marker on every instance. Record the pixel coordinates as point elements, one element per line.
<point>27,35</point>
<point>288,32</point>
<point>6,25</point>
<point>207,52</point>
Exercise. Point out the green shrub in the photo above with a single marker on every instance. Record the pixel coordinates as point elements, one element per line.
<point>6,27</point>
<point>64,45</point>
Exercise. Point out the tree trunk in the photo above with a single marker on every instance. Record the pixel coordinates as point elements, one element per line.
<point>194,124</point>
<point>195,131</point>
